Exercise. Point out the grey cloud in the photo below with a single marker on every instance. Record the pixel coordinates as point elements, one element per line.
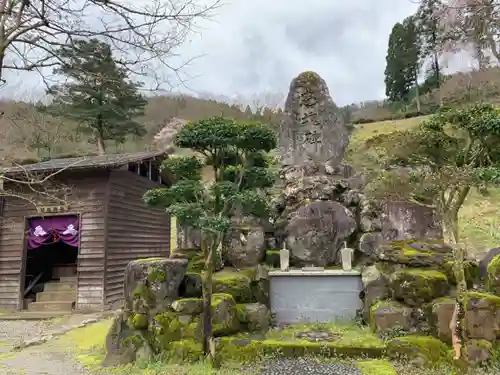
<point>260,45</point>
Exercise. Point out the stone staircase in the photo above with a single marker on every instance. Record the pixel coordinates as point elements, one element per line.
<point>56,296</point>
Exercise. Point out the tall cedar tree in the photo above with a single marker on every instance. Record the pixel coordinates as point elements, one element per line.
<point>431,36</point>
<point>237,153</point>
<point>98,94</point>
<point>402,61</point>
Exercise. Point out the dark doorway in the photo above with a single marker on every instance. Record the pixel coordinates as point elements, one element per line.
<point>51,254</point>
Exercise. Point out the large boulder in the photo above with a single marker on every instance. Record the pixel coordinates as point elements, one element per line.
<point>318,231</point>
<point>416,286</point>
<point>441,313</point>
<point>246,247</point>
<point>312,128</point>
<point>483,316</point>
<point>390,316</point>
<point>406,220</point>
<point>224,315</point>
<point>234,283</point>
<point>121,343</point>
<point>254,316</point>
<point>413,252</point>
<point>153,284</point>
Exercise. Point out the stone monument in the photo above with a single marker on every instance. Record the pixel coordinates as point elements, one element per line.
<point>312,129</point>
<point>321,205</point>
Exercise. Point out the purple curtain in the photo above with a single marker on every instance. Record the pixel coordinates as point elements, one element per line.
<point>53,229</point>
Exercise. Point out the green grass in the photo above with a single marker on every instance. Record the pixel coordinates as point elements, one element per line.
<point>348,334</point>
<point>479,218</point>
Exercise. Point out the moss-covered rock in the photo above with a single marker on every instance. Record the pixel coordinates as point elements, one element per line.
<point>152,284</point>
<point>493,281</point>
<point>224,319</point>
<point>196,264</point>
<point>415,253</point>
<point>190,306</point>
<point>186,253</point>
<point>479,351</point>
<point>184,351</point>
<point>421,351</point>
<point>254,316</point>
<point>483,316</point>
<point>439,314</point>
<point>471,270</point>
<point>169,328</point>
<point>235,283</point>
<point>389,316</point>
<point>121,342</point>
<point>138,322</point>
<point>375,287</point>
<point>417,286</point>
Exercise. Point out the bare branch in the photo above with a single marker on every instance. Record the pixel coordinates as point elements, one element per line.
<point>143,34</point>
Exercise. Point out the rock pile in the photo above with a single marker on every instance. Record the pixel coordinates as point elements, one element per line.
<point>163,308</point>
<point>410,288</point>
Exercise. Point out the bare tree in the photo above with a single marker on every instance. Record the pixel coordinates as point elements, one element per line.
<point>143,33</point>
<point>473,25</point>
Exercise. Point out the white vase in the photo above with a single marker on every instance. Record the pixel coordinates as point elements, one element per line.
<point>284,259</point>
<point>346,254</point>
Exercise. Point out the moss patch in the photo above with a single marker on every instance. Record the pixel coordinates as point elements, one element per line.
<point>416,286</point>
<point>492,299</point>
<point>416,253</point>
<point>237,284</point>
<point>376,367</point>
<point>493,282</point>
<point>471,270</point>
<point>431,351</point>
<point>349,334</point>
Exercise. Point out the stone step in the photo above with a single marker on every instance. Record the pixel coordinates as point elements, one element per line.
<point>60,295</point>
<point>55,286</point>
<point>68,279</point>
<point>51,306</point>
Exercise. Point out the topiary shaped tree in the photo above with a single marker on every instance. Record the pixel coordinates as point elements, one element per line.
<point>237,153</point>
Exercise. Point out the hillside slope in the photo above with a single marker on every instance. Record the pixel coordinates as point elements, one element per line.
<point>480,215</point>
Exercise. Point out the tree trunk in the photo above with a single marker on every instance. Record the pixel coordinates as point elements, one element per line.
<point>459,319</point>
<point>417,95</point>
<point>101,147</point>
<point>208,248</point>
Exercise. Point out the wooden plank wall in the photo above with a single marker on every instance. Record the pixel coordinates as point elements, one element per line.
<point>135,230</point>
<point>87,197</point>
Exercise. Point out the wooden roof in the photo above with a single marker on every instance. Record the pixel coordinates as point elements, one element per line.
<point>88,162</point>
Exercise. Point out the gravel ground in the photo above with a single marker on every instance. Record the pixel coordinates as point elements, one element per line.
<point>14,331</point>
<point>309,367</point>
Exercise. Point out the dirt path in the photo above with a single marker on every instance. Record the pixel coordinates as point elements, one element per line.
<point>41,360</point>
<point>50,358</point>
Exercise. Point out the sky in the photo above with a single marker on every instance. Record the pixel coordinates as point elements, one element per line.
<point>256,46</point>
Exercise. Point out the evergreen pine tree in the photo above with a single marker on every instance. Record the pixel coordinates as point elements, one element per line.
<point>402,61</point>
<point>97,94</point>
